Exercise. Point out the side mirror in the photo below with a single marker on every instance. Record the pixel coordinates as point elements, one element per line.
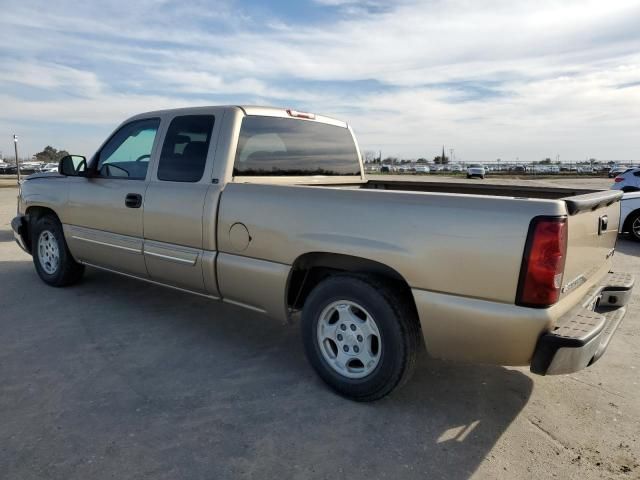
<point>73,166</point>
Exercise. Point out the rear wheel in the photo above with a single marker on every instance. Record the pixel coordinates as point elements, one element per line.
<point>360,335</point>
<point>51,256</point>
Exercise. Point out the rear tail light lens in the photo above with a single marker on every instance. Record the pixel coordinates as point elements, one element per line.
<point>543,262</point>
<point>618,179</point>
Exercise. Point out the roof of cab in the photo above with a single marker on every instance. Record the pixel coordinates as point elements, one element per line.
<point>256,110</point>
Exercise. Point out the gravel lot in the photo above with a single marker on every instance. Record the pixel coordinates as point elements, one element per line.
<point>119,379</point>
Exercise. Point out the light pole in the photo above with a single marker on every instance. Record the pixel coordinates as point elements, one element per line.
<point>15,146</point>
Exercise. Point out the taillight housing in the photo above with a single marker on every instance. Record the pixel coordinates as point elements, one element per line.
<point>543,262</point>
<point>618,179</point>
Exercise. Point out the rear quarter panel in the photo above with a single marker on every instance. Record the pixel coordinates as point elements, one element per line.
<point>463,245</point>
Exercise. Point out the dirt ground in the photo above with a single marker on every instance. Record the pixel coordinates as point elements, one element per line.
<point>115,378</point>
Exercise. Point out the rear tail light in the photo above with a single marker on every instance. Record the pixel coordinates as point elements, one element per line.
<point>618,179</point>
<point>543,262</point>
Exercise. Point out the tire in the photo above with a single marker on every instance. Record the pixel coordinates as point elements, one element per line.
<point>51,256</point>
<point>633,218</point>
<point>386,331</point>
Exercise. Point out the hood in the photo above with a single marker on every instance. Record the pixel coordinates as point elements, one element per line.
<point>35,176</point>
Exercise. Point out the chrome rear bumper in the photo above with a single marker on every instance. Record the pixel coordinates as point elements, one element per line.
<point>582,335</point>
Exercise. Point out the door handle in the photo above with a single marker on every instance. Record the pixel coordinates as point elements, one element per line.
<point>603,224</point>
<point>133,200</point>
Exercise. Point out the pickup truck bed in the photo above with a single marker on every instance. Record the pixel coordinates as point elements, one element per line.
<point>270,210</point>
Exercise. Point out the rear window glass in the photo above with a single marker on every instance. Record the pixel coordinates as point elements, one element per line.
<point>271,146</point>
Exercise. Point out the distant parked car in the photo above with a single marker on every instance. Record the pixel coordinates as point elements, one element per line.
<point>628,181</point>
<point>31,167</point>
<point>617,170</point>
<point>385,169</point>
<point>585,169</point>
<point>422,169</point>
<point>49,167</point>
<point>7,168</point>
<point>456,168</point>
<point>476,170</point>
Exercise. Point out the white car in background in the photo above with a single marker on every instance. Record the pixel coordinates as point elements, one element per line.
<point>630,215</point>
<point>585,169</point>
<point>476,170</point>
<point>50,168</point>
<point>422,169</point>
<point>628,181</point>
<point>618,170</point>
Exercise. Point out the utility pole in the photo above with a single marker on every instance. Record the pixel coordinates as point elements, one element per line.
<point>15,146</point>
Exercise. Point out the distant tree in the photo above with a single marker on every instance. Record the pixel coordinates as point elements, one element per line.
<point>439,160</point>
<point>546,161</point>
<point>421,161</point>
<point>390,160</point>
<point>50,155</point>
<point>371,156</point>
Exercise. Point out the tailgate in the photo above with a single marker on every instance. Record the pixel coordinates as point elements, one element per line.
<point>592,232</point>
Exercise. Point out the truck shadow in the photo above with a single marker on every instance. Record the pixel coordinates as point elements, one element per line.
<point>234,387</point>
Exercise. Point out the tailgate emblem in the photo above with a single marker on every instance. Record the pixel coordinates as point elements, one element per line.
<point>603,223</point>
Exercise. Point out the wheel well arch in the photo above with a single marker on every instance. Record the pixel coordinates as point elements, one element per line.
<point>309,269</point>
<point>626,226</point>
<point>32,214</point>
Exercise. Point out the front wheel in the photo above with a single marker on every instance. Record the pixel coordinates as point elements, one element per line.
<point>51,256</point>
<point>360,335</point>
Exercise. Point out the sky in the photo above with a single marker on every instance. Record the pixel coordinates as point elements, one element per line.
<point>489,79</point>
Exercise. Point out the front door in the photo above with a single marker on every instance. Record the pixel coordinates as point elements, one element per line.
<point>105,212</point>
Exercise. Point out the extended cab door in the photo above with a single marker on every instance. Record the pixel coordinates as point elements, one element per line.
<point>104,212</point>
<point>181,206</point>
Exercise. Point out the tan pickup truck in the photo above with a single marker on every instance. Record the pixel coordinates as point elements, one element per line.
<point>269,209</point>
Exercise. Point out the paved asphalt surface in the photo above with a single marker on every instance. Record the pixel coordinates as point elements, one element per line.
<point>118,379</point>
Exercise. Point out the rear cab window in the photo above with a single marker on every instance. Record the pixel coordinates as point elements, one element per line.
<point>274,146</point>
<point>184,152</point>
